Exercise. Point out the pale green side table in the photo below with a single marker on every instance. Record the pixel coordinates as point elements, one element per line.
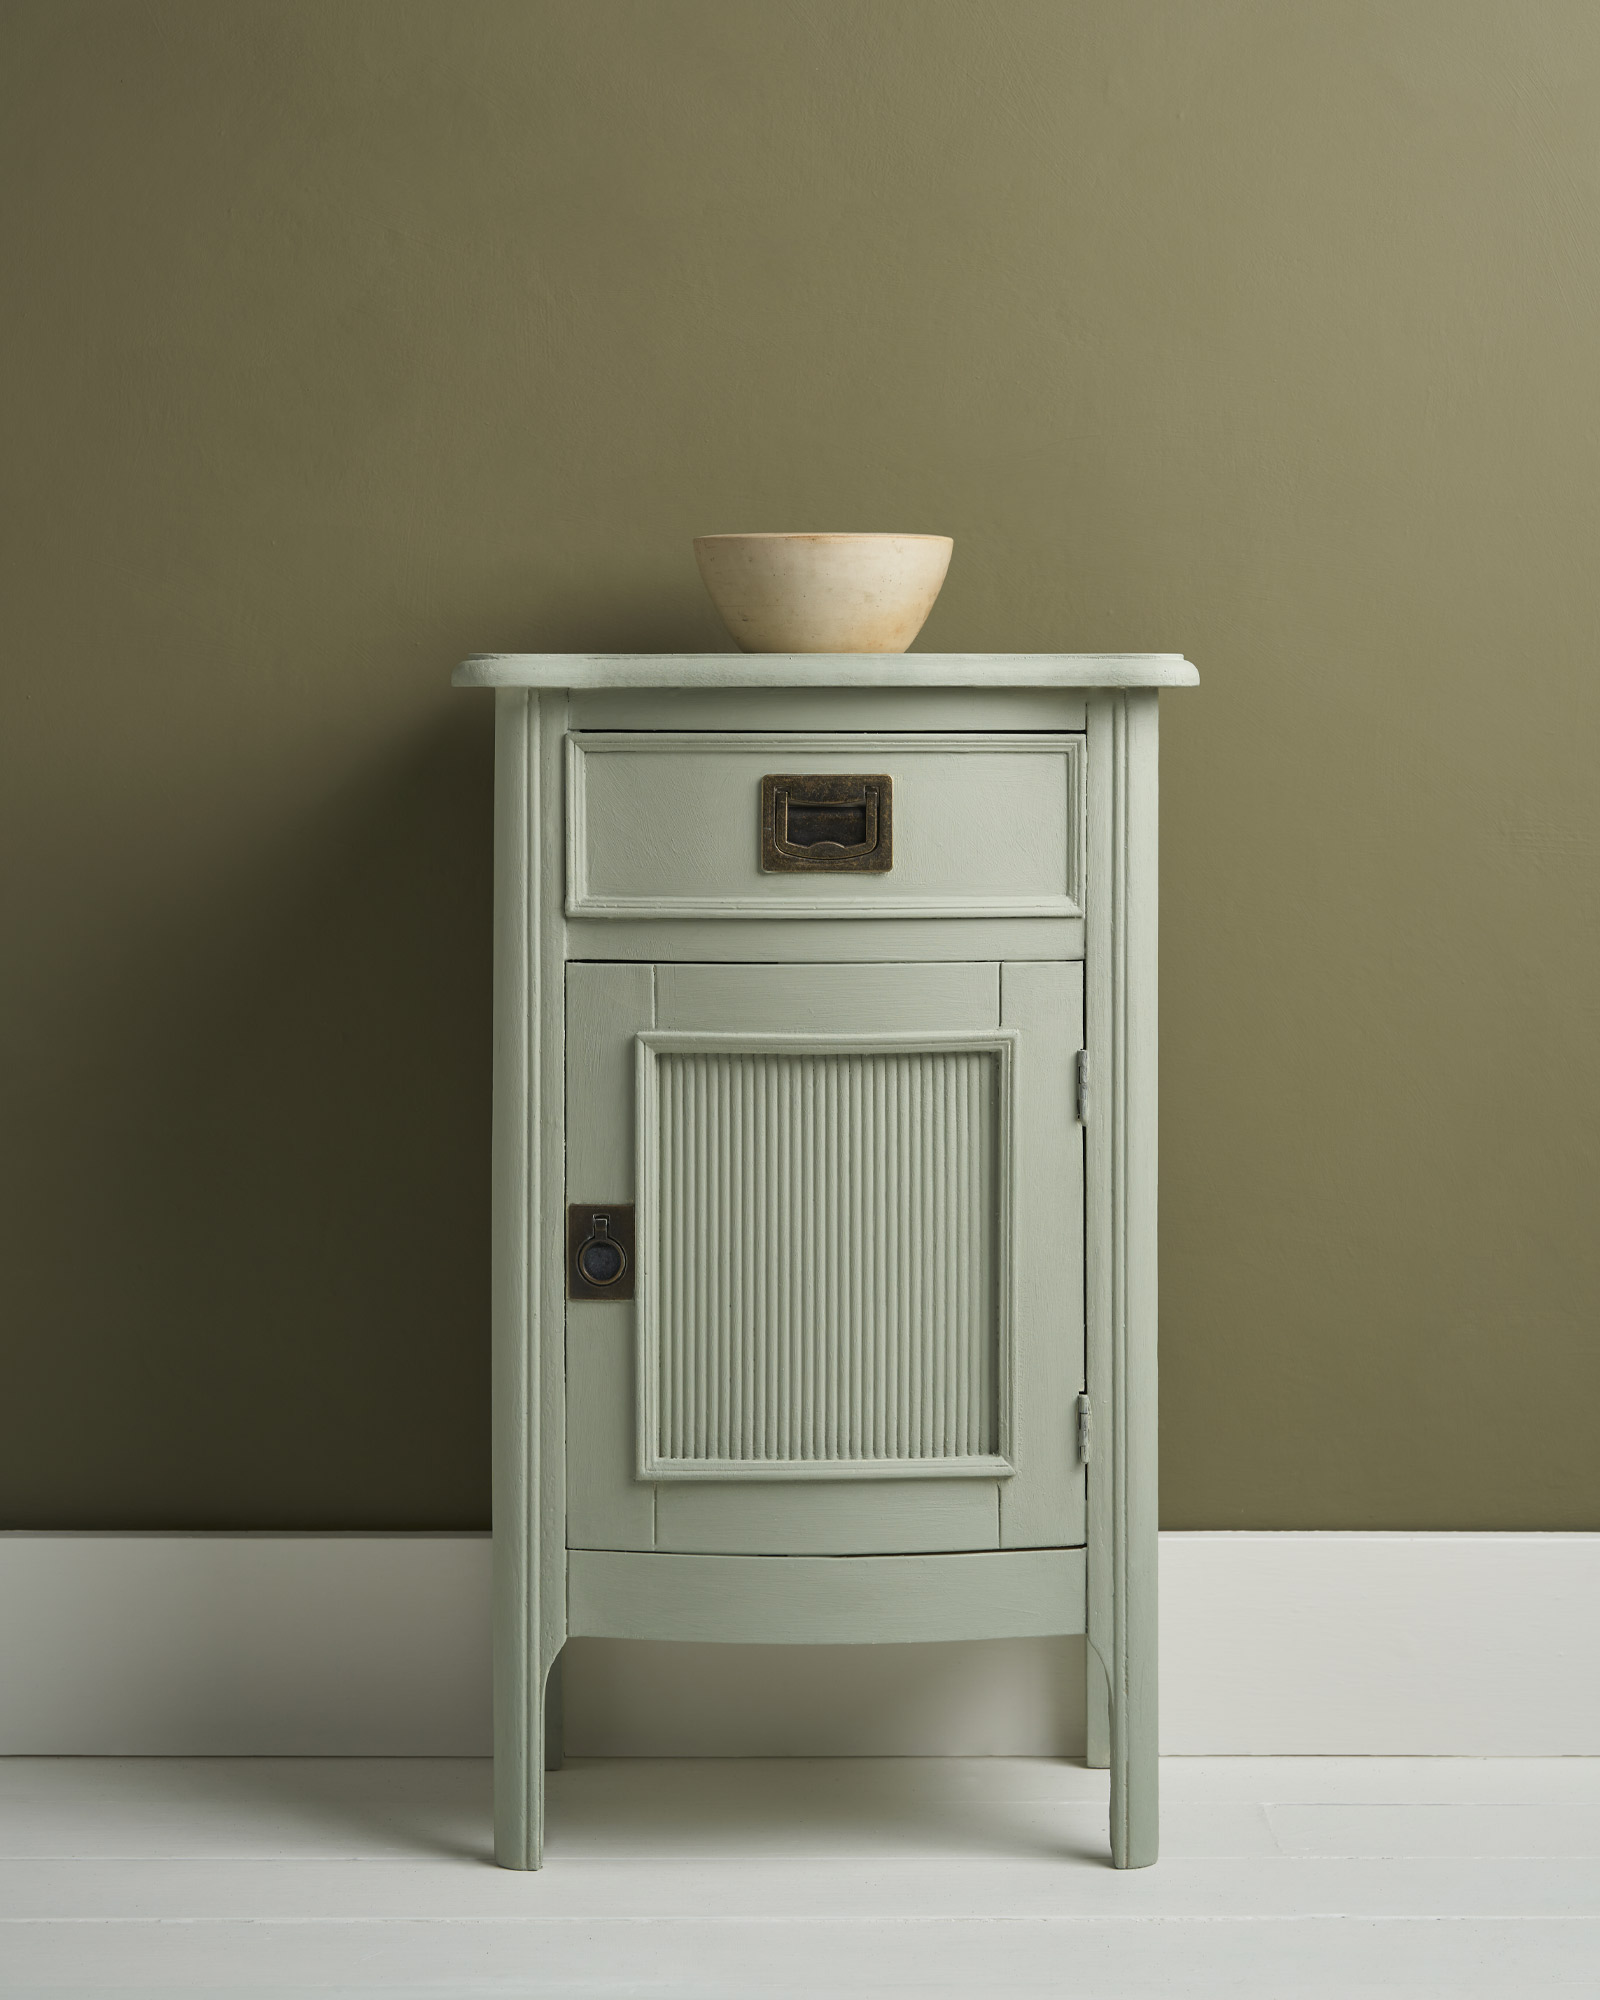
<point>825,1167</point>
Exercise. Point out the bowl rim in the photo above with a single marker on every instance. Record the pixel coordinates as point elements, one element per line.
<point>824,535</point>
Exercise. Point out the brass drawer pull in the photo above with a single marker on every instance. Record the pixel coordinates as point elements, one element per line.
<point>834,824</point>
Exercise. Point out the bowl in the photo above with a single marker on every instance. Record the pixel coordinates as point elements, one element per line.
<point>823,593</point>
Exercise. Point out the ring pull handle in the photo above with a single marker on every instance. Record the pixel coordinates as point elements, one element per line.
<point>600,1251</point>
<point>601,1258</point>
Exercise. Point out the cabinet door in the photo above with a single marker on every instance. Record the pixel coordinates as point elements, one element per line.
<point>858,1312</point>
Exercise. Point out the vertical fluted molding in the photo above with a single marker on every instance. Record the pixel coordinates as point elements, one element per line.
<point>828,1259</point>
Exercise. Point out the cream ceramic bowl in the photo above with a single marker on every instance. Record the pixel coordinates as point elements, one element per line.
<point>823,593</point>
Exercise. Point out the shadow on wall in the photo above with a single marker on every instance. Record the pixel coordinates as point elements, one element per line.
<point>256,1197</point>
<point>250,1280</point>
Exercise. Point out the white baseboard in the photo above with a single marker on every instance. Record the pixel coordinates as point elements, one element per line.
<point>369,1645</point>
<point>244,1645</point>
<point>1338,1645</point>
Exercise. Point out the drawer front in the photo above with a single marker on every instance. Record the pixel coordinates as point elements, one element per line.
<point>682,825</point>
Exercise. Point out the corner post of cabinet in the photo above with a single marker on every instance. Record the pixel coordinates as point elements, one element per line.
<point>528,1587</point>
<point>1122,967</point>
<point>548,1131</point>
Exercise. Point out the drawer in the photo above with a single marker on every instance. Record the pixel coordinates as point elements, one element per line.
<point>667,824</point>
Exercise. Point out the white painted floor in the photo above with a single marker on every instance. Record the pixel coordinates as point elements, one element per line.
<point>1279,1877</point>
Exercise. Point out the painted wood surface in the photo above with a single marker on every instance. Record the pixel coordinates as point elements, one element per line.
<point>819,941</point>
<point>716,1010</point>
<point>882,999</point>
<point>1042,710</point>
<point>903,1877</point>
<point>519,1753</point>
<point>1120,1246</point>
<point>607,1507</point>
<point>1043,1004</point>
<point>919,976</point>
<point>696,671</point>
<point>529,1426</point>
<point>848,1600</point>
<point>665,824</point>
<point>928,1005</point>
<point>826,1518</point>
<point>547,1032</point>
<point>828,1228</point>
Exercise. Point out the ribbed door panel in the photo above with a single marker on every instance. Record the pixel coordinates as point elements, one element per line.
<point>825,1282</point>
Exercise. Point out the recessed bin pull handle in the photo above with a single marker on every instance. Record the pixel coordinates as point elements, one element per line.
<point>836,823</point>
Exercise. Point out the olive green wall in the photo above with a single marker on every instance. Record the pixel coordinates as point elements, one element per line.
<point>342,339</point>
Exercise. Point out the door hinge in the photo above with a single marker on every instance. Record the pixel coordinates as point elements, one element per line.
<point>1083,1086</point>
<point>1085,1433</point>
